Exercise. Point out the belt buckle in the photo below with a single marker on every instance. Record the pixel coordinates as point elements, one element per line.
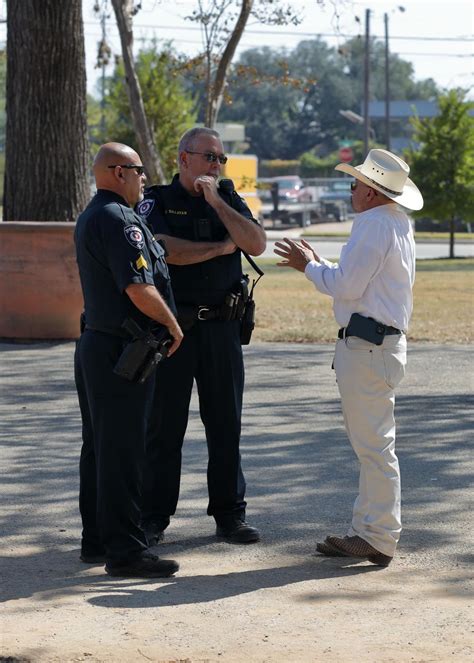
<point>201,310</point>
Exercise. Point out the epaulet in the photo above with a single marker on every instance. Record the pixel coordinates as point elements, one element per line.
<point>155,188</point>
<point>125,212</point>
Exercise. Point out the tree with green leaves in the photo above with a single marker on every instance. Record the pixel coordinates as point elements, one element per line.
<point>168,107</point>
<point>284,119</point>
<point>443,164</point>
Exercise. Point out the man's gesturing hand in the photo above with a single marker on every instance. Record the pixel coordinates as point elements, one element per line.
<point>296,254</point>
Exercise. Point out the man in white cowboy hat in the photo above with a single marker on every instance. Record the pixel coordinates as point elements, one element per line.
<point>372,292</point>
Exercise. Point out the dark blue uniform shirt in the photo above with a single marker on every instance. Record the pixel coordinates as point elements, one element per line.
<point>171,210</point>
<point>115,249</point>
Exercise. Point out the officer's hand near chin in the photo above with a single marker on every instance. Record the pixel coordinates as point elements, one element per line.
<point>207,185</point>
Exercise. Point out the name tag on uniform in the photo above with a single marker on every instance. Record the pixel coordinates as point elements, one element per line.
<point>176,211</point>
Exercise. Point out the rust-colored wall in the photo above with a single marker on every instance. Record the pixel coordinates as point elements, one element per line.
<point>40,292</point>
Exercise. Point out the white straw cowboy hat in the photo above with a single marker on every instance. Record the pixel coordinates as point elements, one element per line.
<point>388,174</point>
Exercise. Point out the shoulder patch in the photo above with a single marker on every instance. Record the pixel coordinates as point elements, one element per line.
<point>144,208</point>
<point>134,236</point>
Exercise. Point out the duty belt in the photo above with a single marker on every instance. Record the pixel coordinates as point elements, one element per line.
<point>208,312</point>
<point>121,333</point>
<point>202,312</point>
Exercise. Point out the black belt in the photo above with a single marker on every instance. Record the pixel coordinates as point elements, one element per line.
<point>208,312</point>
<point>121,333</point>
<point>389,331</point>
<point>201,313</point>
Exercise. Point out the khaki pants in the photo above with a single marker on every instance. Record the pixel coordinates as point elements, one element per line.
<point>367,375</point>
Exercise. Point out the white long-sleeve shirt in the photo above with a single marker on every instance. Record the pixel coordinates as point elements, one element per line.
<point>376,269</point>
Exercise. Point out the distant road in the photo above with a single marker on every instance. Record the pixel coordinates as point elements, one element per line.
<point>331,247</point>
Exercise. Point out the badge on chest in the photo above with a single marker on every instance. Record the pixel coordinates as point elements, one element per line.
<point>202,230</point>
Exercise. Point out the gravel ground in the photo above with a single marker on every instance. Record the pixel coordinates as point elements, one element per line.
<point>276,601</point>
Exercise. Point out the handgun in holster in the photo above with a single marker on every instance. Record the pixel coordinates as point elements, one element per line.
<point>246,310</point>
<point>229,308</point>
<point>143,353</point>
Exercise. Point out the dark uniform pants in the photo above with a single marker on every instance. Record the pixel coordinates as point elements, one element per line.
<point>114,413</point>
<point>211,353</point>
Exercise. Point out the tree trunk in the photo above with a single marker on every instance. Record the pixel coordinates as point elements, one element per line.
<point>216,89</point>
<point>146,143</point>
<point>47,156</point>
<point>451,237</point>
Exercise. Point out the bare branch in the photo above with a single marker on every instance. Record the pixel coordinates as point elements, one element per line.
<point>124,11</point>
<point>221,74</point>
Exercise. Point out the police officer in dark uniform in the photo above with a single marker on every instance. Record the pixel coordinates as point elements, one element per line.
<point>124,276</point>
<point>203,228</point>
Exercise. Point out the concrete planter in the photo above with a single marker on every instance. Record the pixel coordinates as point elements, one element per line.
<point>40,292</point>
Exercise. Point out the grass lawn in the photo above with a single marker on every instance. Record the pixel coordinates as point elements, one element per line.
<point>289,308</point>
<point>444,236</point>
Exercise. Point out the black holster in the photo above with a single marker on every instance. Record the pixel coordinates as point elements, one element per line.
<point>368,329</point>
<point>247,316</point>
<point>143,353</point>
<point>247,324</point>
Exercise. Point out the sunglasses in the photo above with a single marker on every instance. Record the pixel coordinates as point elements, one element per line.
<point>130,166</point>
<point>211,157</point>
<point>353,186</point>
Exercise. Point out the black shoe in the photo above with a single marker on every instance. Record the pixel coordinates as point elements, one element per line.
<point>154,533</point>
<point>92,553</point>
<point>238,531</point>
<point>146,565</point>
<point>92,559</point>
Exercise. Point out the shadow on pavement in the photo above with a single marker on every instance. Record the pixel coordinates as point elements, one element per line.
<point>300,471</point>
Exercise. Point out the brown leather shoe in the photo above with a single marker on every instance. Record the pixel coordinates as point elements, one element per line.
<point>327,549</point>
<point>354,546</point>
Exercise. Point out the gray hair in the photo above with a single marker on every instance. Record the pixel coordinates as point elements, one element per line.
<point>187,140</point>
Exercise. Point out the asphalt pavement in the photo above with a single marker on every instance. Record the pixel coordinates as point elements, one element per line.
<point>274,601</point>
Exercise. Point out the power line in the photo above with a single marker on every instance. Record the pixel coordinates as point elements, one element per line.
<point>399,53</point>
<point>444,55</point>
<point>286,33</point>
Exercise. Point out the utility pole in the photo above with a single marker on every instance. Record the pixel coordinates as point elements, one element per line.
<point>366,81</point>
<point>387,86</point>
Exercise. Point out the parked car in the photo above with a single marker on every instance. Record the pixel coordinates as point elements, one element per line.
<point>291,189</point>
<point>335,201</point>
<point>285,199</point>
